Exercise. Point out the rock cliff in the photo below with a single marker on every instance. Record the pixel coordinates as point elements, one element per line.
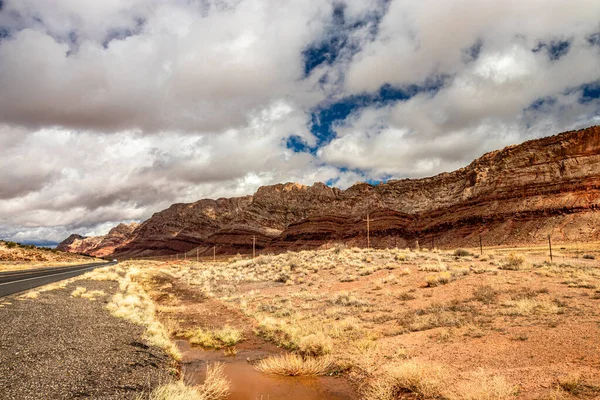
<point>518,195</point>
<point>99,246</point>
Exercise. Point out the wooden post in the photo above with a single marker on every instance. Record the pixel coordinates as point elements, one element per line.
<point>368,228</point>
<point>177,256</point>
<point>214,253</point>
<point>432,243</point>
<point>197,260</point>
<point>550,246</point>
<point>185,256</point>
<point>253,246</point>
<point>480,246</point>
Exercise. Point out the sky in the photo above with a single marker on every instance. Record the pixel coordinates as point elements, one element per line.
<point>113,110</point>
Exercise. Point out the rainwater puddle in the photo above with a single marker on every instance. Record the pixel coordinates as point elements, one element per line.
<point>249,384</point>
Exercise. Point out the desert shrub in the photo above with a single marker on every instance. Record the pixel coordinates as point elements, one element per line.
<point>424,380</point>
<point>589,256</point>
<point>283,276</point>
<point>11,245</point>
<point>462,253</point>
<point>215,387</point>
<point>527,306</point>
<point>317,344</point>
<point>348,278</point>
<point>346,299</point>
<point>216,339</point>
<point>430,267</point>
<point>294,365</point>
<point>485,294</point>
<point>570,383</point>
<point>513,262</point>
<point>440,279</point>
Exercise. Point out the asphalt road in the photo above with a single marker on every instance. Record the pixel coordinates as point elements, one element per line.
<point>18,281</point>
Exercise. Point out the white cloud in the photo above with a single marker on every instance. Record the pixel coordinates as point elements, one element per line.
<point>112,110</point>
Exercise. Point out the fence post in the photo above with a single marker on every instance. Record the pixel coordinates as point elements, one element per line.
<point>480,245</point>
<point>550,246</point>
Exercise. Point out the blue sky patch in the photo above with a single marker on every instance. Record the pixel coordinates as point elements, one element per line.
<point>590,92</point>
<point>337,37</point>
<point>325,116</point>
<point>471,54</point>
<point>542,104</point>
<point>555,49</point>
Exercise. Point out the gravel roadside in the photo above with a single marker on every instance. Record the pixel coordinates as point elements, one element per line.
<point>61,347</point>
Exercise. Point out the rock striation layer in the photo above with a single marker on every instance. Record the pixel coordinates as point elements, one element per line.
<point>517,195</point>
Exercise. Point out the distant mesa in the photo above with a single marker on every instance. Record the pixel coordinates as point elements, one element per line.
<point>517,195</point>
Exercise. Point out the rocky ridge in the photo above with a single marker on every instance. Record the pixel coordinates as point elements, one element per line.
<point>517,195</point>
<point>99,246</point>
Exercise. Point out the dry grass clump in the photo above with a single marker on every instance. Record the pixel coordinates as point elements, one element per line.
<point>424,380</point>
<point>529,306</point>
<point>570,383</point>
<point>216,338</point>
<point>433,267</point>
<point>215,387</point>
<point>32,294</point>
<point>486,387</point>
<point>102,274</point>
<point>294,365</point>
<point>347,299</point>
<point>436,316</point>
<point>462,253</point>
<point>317,344</point>
<point>84,293</point>
<point>440,279</point>
<point>485,294</point>
<point>514,262</point>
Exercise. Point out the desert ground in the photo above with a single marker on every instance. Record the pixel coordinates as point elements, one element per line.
<point>365,324</point>
<point>15,256</point>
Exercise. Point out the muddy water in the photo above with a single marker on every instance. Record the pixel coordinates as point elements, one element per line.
<point>249,384</point>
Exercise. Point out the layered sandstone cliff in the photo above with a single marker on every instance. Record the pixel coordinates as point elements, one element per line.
<point>99,246</point>
<point>517,195</point>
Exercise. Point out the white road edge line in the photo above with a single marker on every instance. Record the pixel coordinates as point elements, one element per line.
<point>48,276</point>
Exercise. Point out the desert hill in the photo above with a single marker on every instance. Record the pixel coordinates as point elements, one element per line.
<point>517,195</point>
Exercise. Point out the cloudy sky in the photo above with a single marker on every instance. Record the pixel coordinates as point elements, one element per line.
<point>112,110</point>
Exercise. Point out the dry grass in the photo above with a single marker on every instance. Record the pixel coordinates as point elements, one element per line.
<point>527,306</point>
<point>514,262</point>
<point>215,387</point>
<point>216,338</point>
<point>84,293</point>
<point>424,380</point>
<point>362,323</point>
<point>486,387</point>
<point>294,365</point>
<point>133,304</point>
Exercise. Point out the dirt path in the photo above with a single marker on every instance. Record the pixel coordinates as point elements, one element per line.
<point>60,347</point>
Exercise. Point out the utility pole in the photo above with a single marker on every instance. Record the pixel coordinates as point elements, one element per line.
<point>253,246</point>
<point>550,246</point>
<point>368,228</point>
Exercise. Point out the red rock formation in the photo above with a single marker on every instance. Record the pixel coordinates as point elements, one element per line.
<point>517,195</point>
<point>99,246</point>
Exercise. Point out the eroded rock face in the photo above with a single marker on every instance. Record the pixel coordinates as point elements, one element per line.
<point>518,195</point>
<point>99,246</point>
